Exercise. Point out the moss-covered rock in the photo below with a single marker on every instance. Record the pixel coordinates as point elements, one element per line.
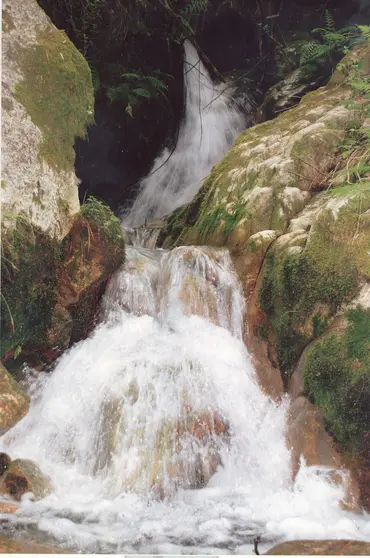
<point>336,374</point>
<point>92,251</point>
<point>47,100</point>
<point>51,290</point>
<point>308,275</point>
<point>271,172</point>
<point>56,93</point>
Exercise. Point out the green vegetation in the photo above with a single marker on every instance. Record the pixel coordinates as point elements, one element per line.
<point>332,43</point>
<point>336,374</point>
<point>101,217</point>
<point>137,86</point>
<point>57,93</point>
<point>355,148</point>
<point>29,264</point>
<point>220,217</point>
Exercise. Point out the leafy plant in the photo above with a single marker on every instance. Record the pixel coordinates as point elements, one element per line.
<point>356,144</point>
<point>332,42</point>
<point>137,86</point>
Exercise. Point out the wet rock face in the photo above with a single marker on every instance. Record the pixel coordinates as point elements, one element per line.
<point>307,438</point>
<point>93,250</point>
<point>189,451</point>
<point>14,404</point>
<point>329,548</point>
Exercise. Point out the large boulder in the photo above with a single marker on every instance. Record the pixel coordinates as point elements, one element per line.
<point>47,100</point>
<point>322,262</point>
<point>187,453</point>
<point>281,203</point>
<point>271,172</point>
<point>93,249</point>
<point>22,476</point>
<point>14,404</point>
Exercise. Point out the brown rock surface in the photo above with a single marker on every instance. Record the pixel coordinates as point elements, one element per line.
<point>8,507</point>
<point>20,547</point>
<point>14,404</point>
<point>328,548</point>
<point>306,437</point>
<point>264,361</point>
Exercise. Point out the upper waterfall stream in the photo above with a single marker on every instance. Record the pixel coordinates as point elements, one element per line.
<point>134,421</point>
<point>212,121</point>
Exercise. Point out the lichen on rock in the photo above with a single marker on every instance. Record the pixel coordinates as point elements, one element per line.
<point>47,100</point>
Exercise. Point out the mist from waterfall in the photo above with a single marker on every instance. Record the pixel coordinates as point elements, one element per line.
<point>211,123</point>
<point>116,426</point>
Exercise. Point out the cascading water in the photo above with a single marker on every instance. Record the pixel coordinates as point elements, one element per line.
<point>211,123</point>
<point>155,432</point>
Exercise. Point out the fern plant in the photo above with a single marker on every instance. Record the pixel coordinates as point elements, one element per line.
<point>356,145</point>
<point>136,87</point>
<point>332,42</point>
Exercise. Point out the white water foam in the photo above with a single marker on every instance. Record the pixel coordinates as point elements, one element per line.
<point>170,337</point>
<point>211,123</point>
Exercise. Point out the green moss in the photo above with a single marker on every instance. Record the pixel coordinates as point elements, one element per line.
<point>336,374</point>
<point>103,219</point>
<point>29,264</point>
<point>57,93</point>
<point>3,184</point>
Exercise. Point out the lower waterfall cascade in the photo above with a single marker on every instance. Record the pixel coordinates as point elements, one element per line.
<point>213,119</point>
<point>113,426</point>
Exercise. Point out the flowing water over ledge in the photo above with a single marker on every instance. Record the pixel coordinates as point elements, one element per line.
<point>116,427</point>
<point>212,121</point>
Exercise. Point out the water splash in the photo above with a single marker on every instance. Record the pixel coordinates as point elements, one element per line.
<point>211,123</point>
<point>118,426</point>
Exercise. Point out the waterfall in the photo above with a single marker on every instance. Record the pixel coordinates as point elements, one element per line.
<point>211,123</point>
<point>155,432</point>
